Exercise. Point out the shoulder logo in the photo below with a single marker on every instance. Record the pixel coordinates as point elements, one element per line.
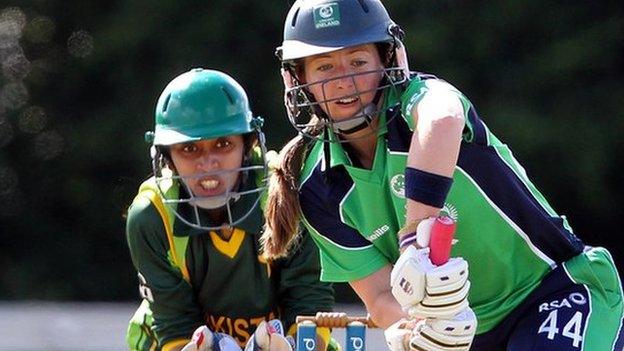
<point>415,99</point>
<point>327,15</point>
<point>450,210</point>
<point>144,289</point>
<point>397,185</point>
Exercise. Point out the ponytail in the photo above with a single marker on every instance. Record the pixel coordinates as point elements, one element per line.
<point>283,212</point>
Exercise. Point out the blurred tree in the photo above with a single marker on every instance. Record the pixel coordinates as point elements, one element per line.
<point>80,80</point>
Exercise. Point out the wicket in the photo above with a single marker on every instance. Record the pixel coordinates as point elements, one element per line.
<point>355,339</point>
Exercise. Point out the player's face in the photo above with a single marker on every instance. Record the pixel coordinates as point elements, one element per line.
<point>209,167</point>
<point>342,79</point>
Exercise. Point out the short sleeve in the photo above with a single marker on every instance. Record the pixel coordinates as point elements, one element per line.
<point>474,131</point>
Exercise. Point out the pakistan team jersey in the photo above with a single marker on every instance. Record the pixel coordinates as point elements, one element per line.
<point>506,230</point>
<point>231,288</point>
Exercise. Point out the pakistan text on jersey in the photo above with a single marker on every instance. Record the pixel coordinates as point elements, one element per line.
<point>239,328</point>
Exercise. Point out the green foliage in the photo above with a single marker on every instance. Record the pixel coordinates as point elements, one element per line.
<point>545,76</point>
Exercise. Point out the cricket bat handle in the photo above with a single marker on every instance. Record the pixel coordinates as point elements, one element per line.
<point>441,240</point>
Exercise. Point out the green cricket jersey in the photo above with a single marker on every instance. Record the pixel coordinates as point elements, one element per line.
<point>230,287</point>
<point>506,230</point>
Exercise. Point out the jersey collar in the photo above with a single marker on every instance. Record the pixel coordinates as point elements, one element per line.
<point>337,154</point>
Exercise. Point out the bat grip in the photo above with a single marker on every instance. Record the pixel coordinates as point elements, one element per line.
<point>441,240</point>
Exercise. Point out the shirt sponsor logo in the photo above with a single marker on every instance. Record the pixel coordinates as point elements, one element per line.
<point>378,232</point>
<point>574,298</point>
<point>397,185</point>
<point>327,15</point>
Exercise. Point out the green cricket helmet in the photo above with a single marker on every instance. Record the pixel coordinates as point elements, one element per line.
<point>315,27</point>
<point>204,104</point>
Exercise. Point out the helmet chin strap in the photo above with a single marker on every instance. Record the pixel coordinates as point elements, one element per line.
<point>210,203</point>
<point>360,120</point>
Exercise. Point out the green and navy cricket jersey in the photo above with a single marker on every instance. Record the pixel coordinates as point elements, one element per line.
<point>231,287</point>
<point>506,230</point>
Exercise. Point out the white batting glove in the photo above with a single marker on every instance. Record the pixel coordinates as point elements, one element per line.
<point>425,290</point>
<point>205,340</point>
<point>433,334</point>
<point>270,337</point>
<point>398,334</point>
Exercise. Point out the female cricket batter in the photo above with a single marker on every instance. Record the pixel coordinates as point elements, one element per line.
<point>193,229</point>
<point>383,152</point>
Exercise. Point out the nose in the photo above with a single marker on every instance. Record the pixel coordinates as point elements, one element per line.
<point>208,162</point>
<point>345,78</point>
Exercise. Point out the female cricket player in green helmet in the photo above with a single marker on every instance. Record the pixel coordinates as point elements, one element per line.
<point>193,230</point>
<point>381,152</point>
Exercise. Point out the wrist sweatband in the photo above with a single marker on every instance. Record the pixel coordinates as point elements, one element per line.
<point>427,188</point>
<point>407,240</point>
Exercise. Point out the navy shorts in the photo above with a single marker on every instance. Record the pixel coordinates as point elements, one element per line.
<point>552,318</point>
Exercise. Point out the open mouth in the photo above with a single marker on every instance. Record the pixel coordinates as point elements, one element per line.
<point>209,187</point>
<point>209,184</point>
<point>347,101</point>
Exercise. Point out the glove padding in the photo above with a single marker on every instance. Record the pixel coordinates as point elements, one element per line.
<point>205,340</point>
<point>433,334</point>
<point>445,334</point>
<point>425,290</point>
<point>398,334</point>
<point>269,336</point>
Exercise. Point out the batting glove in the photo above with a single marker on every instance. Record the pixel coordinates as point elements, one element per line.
<point>426,290</point>
<point>433,334</point>
<point>456,334</point>
<point>398,334</point>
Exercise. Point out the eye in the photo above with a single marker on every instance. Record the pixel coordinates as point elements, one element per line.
<point>324,68</point>
<point>223,143</point>
<point>189,148</point>
<point>359,63</point>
